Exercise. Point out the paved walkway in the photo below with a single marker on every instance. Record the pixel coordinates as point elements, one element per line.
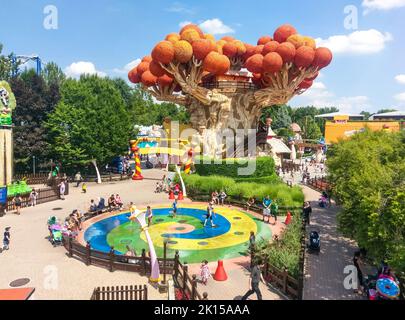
<point>51,272</point>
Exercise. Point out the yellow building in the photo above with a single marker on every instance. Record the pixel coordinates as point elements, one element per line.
<point>341,128</point>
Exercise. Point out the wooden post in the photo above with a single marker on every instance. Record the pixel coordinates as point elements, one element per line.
<point>88,253</point>
<point>111,259</point>
<point>164,260</point>
<point>144,261</point>
<point>145,292</point>
<point>185,274</point>
<point>205,296</point>
<point>70,247</point>
<point>194,287</point>
<point>285,275</point>
<point>176,264</point>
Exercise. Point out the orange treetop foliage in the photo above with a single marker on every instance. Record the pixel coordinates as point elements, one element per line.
<point>192,46</point>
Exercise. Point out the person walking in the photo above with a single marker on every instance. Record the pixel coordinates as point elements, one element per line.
<point>205,272</point>
<point>78,179</point>
<point>33,198</point>
<point>174,207</point>
<point>274,210</point>
<point>306,212</point>
<point>62,189</point>
<point>209,216</point>
<point>266,208</point>
<point>6,238</point>
<point>17,203</point>
<point>255,278</point>
<point>149,215</point>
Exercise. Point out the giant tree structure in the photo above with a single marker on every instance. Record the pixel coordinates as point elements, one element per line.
<point>226,83</point>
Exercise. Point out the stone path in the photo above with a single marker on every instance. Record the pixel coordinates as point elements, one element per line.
<point>324,274</point>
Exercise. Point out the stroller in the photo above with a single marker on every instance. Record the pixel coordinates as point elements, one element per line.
<point>314,241</point>
<point>55,231</point>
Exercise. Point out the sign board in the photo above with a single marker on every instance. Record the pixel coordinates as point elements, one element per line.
<point>3,195</point>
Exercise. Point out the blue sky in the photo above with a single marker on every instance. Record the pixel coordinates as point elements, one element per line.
<point>107,37</point>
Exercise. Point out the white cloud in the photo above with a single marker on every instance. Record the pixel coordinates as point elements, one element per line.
<point>82,67</point>
<point>359,42</point>
<point>400,97</point>
<point>128,67</point>
<point>212,26</point>
<point>178,7</point>
<point>384,5</point>
<point>400,78</point>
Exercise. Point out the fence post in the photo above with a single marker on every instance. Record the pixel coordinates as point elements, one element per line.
<point>70,249</point>
<point>205,296</point>
<point>164,260</point>
<point>144,261</point>
<point>176,264</point>
<point>88,253</point>
<point>111,259</point>
<point>185,274</point>
<point>194,287</point>
<point>285,278</point>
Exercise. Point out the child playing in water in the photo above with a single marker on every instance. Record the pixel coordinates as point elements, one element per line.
<point>205,272</point>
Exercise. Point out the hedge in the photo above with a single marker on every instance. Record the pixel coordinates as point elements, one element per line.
<point>207,167</point>
<point>286,196</point>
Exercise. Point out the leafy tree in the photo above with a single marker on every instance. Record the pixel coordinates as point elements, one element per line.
<point>310,128</point>
<point>53,74</point>
<point>35,100</point>
<point>366,114</point>
<point>368,177</point>
<point>386,110</point>
<point>280,115</point>
<point>90,122</point>
<point>7,68</point>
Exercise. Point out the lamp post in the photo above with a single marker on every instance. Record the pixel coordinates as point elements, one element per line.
<point>141,218</point>
<point>33,165</point>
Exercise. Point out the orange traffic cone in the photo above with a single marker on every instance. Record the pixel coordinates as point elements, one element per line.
<point>288,219</point>
<point>171,195</point>
<point>180,196</point>
<point>220,274</point>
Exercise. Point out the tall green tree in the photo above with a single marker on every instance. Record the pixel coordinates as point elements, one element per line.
<point>7,67</point>
<point>53,74</point>
<point>280,115</point>
<point>90,122</point>
<point>35,100</point>
<point>368,177</point>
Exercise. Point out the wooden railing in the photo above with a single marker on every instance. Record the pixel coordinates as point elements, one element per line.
<point>120,293</point>
<point>186,284</point>
<point>44,195</point>
<point>319,184</point>
<point>289,285</point>
<point>140,264</point>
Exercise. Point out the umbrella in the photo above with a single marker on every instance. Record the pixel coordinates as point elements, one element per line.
<point>387,288</point>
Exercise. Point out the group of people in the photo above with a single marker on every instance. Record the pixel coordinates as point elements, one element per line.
<point>218,198</point>
<point>113,202</point>
<point>270,209</point>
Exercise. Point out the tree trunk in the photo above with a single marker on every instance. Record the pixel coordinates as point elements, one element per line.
<point>224,117</point>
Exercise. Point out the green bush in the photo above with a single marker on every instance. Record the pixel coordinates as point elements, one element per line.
<point>265,180</point>
<point>286,196</point>
<point>286,252</point>
<point>264,167</point>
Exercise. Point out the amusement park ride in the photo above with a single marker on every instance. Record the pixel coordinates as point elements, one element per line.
<point>225,84</point>
<point>23,59</point>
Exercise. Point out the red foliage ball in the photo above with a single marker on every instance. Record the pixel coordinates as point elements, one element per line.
<point>165,81</point>
<point>163,52</point>
<point>306,84</point>
<point>194,27</point>
<point>283,32</point>
<point>147,59</point>
<point>323,57</point>
<point>270,47</point>
<point>304,57</point>
<point>255,63</point>
<point>156,69</point>
<point>263,40</point>
<point>259,49</point>
<point>272,62</point>
<point>133,76</point>
<point>230,49</point>
<point>201,48</point>
<point>287,51</point>
<point>216,63</point>
<point>142,67</point>
<point>250,51</point>
<point>148,79</point>
<point>228,38</point>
